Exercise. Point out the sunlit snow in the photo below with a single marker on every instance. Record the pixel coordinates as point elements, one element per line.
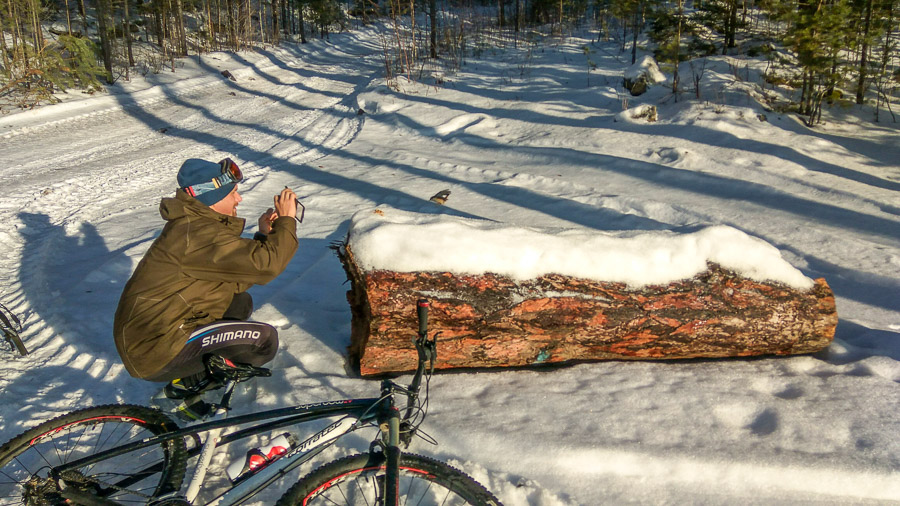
<point>407,242</point>
<point>549,169</point>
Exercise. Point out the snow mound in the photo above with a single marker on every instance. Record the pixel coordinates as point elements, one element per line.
<point>641,114</point>
<point>390,239</point>
<point>645,66</point>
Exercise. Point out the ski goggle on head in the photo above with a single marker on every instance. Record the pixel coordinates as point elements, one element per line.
<point>231,173</point>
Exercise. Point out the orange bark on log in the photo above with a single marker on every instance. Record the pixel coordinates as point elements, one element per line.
<point>492,321</point>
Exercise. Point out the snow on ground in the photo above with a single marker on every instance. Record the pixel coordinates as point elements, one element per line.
<point>518,141</point>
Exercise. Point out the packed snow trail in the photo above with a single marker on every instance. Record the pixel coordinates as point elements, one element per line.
<point>529,144</point>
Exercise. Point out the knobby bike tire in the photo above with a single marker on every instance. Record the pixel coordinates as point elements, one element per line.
<point>136,476</point>
<point>354,480</point>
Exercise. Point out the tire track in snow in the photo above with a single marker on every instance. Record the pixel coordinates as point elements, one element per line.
<point>99,106</point>
<point>108,104</point>
<point>316,129</point>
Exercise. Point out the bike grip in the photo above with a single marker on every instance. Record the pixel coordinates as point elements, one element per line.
<point>422,313</point>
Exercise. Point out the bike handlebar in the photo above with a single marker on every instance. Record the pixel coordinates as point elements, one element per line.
<point>427,353</point>
<point>422,313</point>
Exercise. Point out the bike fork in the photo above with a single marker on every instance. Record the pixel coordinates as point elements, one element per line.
<point>392,464</point>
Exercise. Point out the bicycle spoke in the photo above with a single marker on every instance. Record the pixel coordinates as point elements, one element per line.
<point>131,478</point>
<point>409,492</point>
<point>444,502</point>
<point>362,493</point>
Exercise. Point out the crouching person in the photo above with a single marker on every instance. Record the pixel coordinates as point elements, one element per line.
<point>188,296</point>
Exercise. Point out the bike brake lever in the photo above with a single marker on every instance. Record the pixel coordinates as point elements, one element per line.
<point>431,346</point>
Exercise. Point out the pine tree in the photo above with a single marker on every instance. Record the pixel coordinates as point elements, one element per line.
<point>75,64</point>
<point>432,20</point>
<point>106,34</point>
<point>300,20</point>
<point>721,17</point>
<point>127,32</point>
<point>816,33</point>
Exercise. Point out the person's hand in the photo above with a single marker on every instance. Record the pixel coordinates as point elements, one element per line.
<point>286,203</point>
<point>265,221</point>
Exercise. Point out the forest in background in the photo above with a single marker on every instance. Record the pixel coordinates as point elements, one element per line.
<point>842,51</point>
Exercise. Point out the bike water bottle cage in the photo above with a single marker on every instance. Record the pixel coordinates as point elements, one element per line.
<point>231,173</point>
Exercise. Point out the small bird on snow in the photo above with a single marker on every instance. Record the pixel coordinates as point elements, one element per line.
<point>440,197</point>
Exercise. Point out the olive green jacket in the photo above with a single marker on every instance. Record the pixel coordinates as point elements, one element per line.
<point>188,277</point>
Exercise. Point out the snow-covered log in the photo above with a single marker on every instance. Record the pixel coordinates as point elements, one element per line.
<point>742,300</point>
<point>641,75</point>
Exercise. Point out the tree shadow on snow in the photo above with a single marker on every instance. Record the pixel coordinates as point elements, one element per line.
<point>688,181</point>
<point>857,285</point>
<point>883,152</point>
<point>40,393</point>
<point>709,184</point>
<point>242,85</point>
<point>862,343</point>
<point>73,282</point>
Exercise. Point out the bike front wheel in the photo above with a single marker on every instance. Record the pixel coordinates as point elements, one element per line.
<point>26,461</point>
<point>359,480</point>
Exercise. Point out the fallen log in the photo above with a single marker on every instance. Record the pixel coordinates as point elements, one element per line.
<point>492,320</point>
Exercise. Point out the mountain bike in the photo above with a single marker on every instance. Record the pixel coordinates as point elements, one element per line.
<point>130,454</point>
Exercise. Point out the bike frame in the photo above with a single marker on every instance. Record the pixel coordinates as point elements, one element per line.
<point>353,414</point>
